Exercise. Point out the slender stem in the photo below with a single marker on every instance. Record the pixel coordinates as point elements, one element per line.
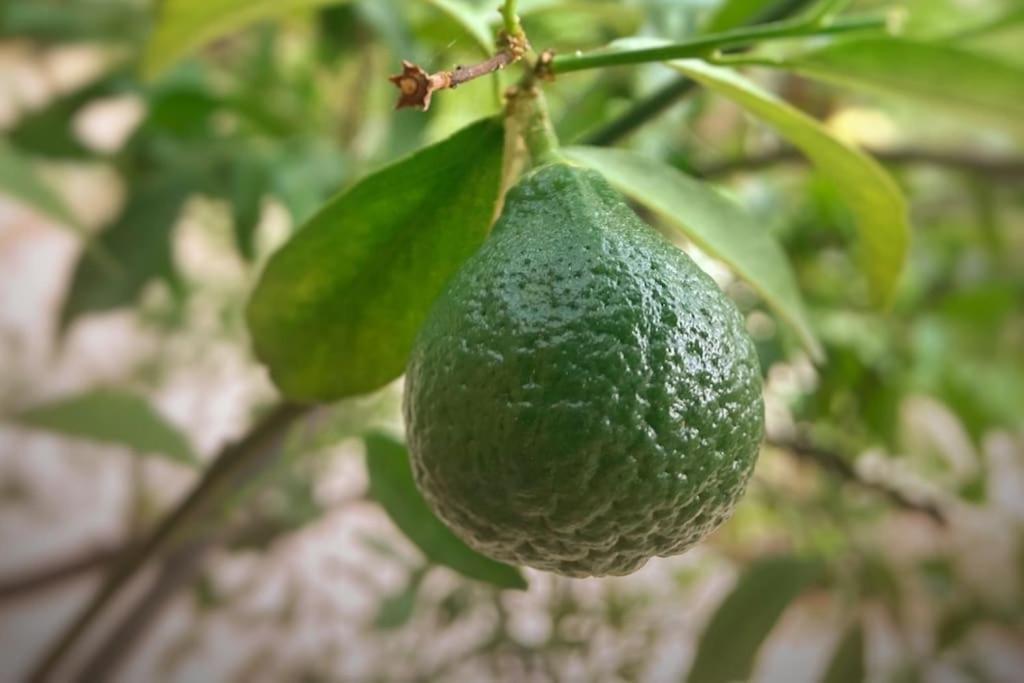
<point>644,110</point>
<point>511,18</point>
<point>179,569</point>
<point>42,579</point>
<point>705,46</point>
<point>233,467</point>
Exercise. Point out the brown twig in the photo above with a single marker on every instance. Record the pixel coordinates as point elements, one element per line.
<point>237,464</point>
<point>842,468</point>
<point>417,86</point>
<point>998,168</point>
<point>179,570</point>
<point>41,579</point>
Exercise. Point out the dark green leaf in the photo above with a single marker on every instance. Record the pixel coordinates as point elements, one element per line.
<point>956,624</point>
<point>729,644</point>
<point>18,178</point>
<point>337,309</point>
<point>115,417</point>
<point>715,223</point>
<point>48,131</point>
<point>970,83</point>
<point>392,485</point>
<point>871,193</point>
<point>847,665</point>
<point>139,244</point>
<point>396,610</point>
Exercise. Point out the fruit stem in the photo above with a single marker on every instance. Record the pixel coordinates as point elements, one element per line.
<point>511,18</point>
<point>529,110</point>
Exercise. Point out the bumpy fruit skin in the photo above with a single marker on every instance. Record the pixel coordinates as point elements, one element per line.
<point>582,397</point>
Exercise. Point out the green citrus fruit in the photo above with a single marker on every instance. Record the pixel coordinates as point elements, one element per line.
<point>582,397</point>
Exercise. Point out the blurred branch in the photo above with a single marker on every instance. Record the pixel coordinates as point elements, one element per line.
<point>640,113</point>
<point>41,579</point>
<point>843,469</point>
<point>177,571</point>
<point>1006,169</point>
<point>233,468</point>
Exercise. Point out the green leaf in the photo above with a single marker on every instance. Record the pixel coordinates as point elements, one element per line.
<point>847,665</point>
<point>392,485</point>
<point>717,224</point>
<point>337,310</point>
<point>186,25</point>
<point>940,74</point>
<point>18,178</point>
<point>871,193</point>
<point>396,610</point>
<point>138,242</point>
<point>729,644</point>
<point>48,131</point>
<point>115,417</point>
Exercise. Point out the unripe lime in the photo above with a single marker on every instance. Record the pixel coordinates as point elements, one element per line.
<point>582,397</point>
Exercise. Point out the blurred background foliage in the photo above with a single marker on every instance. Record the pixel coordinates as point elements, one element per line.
<point>883,535</point>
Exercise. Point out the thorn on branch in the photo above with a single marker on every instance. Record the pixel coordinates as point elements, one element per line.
<point>416,86</point>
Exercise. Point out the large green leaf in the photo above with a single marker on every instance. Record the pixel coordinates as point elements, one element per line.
<point>337,309</point>
<point>18,178</point>
<point>847,665</point>
<point>138,243</point>
<point>186,25</point>
<point>115,417</point>
<point>730,642</point>
<point>717,224</point>
<point>941,74</point>
<point>871,193</point>
<point>392,485</point>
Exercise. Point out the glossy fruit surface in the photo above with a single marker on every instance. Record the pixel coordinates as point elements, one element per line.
<point>582,397</point>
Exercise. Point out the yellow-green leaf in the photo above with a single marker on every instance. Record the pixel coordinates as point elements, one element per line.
<point>872,195</point>
<point>714,222</point>
<point>940,74</point>
<point>185,25</point>
<point>338,307</point>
